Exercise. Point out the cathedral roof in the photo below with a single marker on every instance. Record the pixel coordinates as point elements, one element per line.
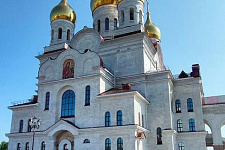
<point>114,91</point>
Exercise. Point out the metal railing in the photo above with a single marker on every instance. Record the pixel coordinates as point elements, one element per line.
<point>14,103</point>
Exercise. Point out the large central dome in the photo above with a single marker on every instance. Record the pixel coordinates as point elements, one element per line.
<point>97,3</point>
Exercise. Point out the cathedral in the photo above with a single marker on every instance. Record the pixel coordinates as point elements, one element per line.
<point>106,88</point>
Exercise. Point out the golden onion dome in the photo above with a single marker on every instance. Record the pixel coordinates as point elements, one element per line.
<point>152,30</point>
<point>122,0</point>
<point>97,3</point>
<point>63,11</point>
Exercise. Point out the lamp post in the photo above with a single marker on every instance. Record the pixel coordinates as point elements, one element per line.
<point>34,124</point>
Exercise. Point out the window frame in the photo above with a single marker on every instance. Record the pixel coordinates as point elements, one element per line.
<point>108,144</point>
<point>29,126</point>
<point>115,23</point>
<point>119,143</point>
<point>192,127</point>
<point>181,146</point>
<point>131,14</point>
<point>99,25</point>
<point>87,95</point>
<point>21,126</point>
<point>43,145</point>
<point>86,141</point>
<point>119,118</point>
<point>68,35</point>
<point>159,136</point>
<point>106,24</point>
<point>60,33</point>
<point>27,146</point>
<point>107,119</point>
<point>18,146</point>
<point>123,16</point>
<point>68,104</point>
<point>47,100</point>
<point>179,125</point>
<point>52,38</point>
<point>190,105</point>
<point>178,106</point>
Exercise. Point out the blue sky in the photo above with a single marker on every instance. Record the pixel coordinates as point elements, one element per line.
<point>192,32</point>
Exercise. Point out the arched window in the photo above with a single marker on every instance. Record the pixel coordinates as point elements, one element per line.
<point>189,105</point>
<point>179,125</point>
<point>68,69</point>
<point>140,16</point>
<point>178,106</point>
<point>65,147</point>
<point>47,99</point>
<point>60,33</point>
<point>106,23</point>
<point>68,104</point>
<point>18,146</point>
<point>122,15</point>
<point>107,144</point>
<point>107,119</point>
<point>99,25</point>
<point>29,126</point>
<point>87,95</point>
<point>43,145</point>
<point>120,144</point>
<point>131,13</point>
<point>159,136</point>
<point>52,34</point>
<point>68,35</point>
<point>115,23</point>
<point>27,146</point>
<point>87,141</point>
<point>181,146</point>
<point>21,126</point>
<point>119,118</point>
<point>191,125</point>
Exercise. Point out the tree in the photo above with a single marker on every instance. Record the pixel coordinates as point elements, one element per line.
<point>4,146</point>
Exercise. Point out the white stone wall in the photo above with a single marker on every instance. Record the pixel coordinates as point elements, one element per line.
<point>184,89</point>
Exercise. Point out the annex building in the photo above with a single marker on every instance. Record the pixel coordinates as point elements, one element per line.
<point>106,88</point>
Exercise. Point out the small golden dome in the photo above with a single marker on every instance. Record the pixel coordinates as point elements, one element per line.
<point>97,3</point>
<point>122,0</point>
<point>63,11</point>
<point>152,30</point>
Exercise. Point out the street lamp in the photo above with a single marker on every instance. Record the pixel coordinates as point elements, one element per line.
<point>34,124</point>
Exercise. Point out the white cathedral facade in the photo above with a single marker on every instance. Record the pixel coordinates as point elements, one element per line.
<point>106,88</point>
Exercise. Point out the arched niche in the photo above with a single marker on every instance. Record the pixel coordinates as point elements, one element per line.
<point>208,129</point>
